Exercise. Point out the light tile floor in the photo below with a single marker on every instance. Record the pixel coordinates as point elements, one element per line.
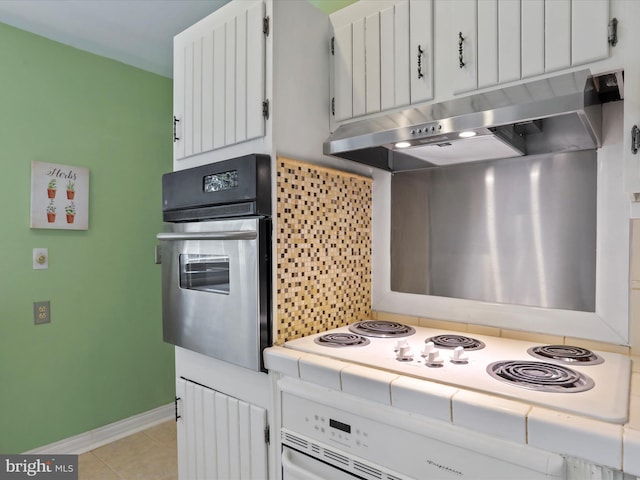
<point>147,455</point>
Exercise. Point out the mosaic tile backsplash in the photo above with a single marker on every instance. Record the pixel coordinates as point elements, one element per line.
<point>323,247</point>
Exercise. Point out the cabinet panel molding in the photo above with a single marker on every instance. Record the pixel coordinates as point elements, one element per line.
<point>488,34</point>
<point>401,54</point>
<point>532,24</point>
<point>387,77</point>
<point>464,55</point>
<point>372,52</point>
<point>219,89</point>
<point>255,72</point>
<point>343,73</point>
<point>359,68</point>
<point>589,30</point>
<point>508,41</point>
<point>207,92</point>
<point>557,21</point>
<point>421,37</point>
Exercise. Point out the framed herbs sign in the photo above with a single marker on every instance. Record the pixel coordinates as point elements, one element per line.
<point>59,196</point>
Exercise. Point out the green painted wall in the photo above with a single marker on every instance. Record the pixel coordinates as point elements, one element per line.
<point>330,6</point>
<point>102,358</point>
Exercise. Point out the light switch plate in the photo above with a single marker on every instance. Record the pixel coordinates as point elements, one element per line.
<point>40,258</point>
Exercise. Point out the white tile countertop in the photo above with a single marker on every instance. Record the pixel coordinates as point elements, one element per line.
<point>631,436</point>
<point>602,443</point>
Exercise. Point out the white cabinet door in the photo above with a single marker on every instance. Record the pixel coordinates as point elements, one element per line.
<point>375,55</point>
<point>464,37</point>
<point>219,79</point>
<point>219,436</point>
<point>421,49</point>
<point>589,30</point>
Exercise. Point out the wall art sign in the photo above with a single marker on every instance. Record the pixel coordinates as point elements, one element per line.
<point>59,196</point>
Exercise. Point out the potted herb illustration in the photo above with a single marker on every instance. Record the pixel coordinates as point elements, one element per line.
<point>70,210</point>
<point>51,188</point>
<point>51,212</point>
<point>71,190</point>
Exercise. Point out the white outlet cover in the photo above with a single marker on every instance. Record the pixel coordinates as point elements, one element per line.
<point>40,258</point>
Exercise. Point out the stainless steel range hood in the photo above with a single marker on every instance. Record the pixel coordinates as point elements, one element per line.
<point>561,113</point>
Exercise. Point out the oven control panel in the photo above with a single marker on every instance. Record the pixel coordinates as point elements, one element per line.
<point>326,424</point>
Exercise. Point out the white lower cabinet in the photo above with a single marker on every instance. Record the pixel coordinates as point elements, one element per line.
<point>219,436</point>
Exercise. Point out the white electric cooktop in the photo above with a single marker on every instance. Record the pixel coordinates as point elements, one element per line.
<point>596,384</point>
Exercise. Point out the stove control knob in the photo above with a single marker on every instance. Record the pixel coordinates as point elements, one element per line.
<point>400,344</point>
<point>428,347</point>
<point>404,353</point>
<point>433,359</point>
<point>458,356</point>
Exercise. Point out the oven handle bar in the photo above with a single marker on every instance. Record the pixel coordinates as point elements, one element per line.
<point>230,235</point>
<point>289,466</point>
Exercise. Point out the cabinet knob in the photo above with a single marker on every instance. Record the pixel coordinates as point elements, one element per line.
<point>460,50</point>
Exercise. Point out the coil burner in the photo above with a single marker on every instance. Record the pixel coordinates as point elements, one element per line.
<point>339,340</point>
<point>566,354</point>
<point>381,329</point>
<point>453,341</point>
<point>540,376</point>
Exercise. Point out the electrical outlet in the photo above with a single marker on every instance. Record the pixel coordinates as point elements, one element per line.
<point>41,312</point>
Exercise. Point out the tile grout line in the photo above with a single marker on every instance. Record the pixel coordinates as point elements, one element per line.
<point>120,477</point>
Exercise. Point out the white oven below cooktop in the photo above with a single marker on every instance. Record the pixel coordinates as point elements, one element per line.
<point>480,362</point>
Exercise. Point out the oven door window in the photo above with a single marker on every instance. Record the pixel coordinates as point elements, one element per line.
<point>206,273</point>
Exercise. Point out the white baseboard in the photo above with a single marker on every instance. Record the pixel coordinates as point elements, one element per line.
<point>92,439</point>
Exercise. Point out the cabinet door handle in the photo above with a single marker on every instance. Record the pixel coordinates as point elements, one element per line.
<point>175,402</point>
<point>460,51</point>
<point>175,129</point>
<point>420,54</point>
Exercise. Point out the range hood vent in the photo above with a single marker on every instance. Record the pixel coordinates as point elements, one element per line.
<point>556,114</point>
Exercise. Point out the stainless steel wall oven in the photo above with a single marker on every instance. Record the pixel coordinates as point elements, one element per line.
<point>216,259</point>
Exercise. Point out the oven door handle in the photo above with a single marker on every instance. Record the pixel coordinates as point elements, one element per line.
<point>231,235</point>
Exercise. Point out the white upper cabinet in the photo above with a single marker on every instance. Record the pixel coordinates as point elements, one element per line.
<point>501,41</point>
<point>382,56</point>
<point>219,80</point>
<point>252,78</point>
